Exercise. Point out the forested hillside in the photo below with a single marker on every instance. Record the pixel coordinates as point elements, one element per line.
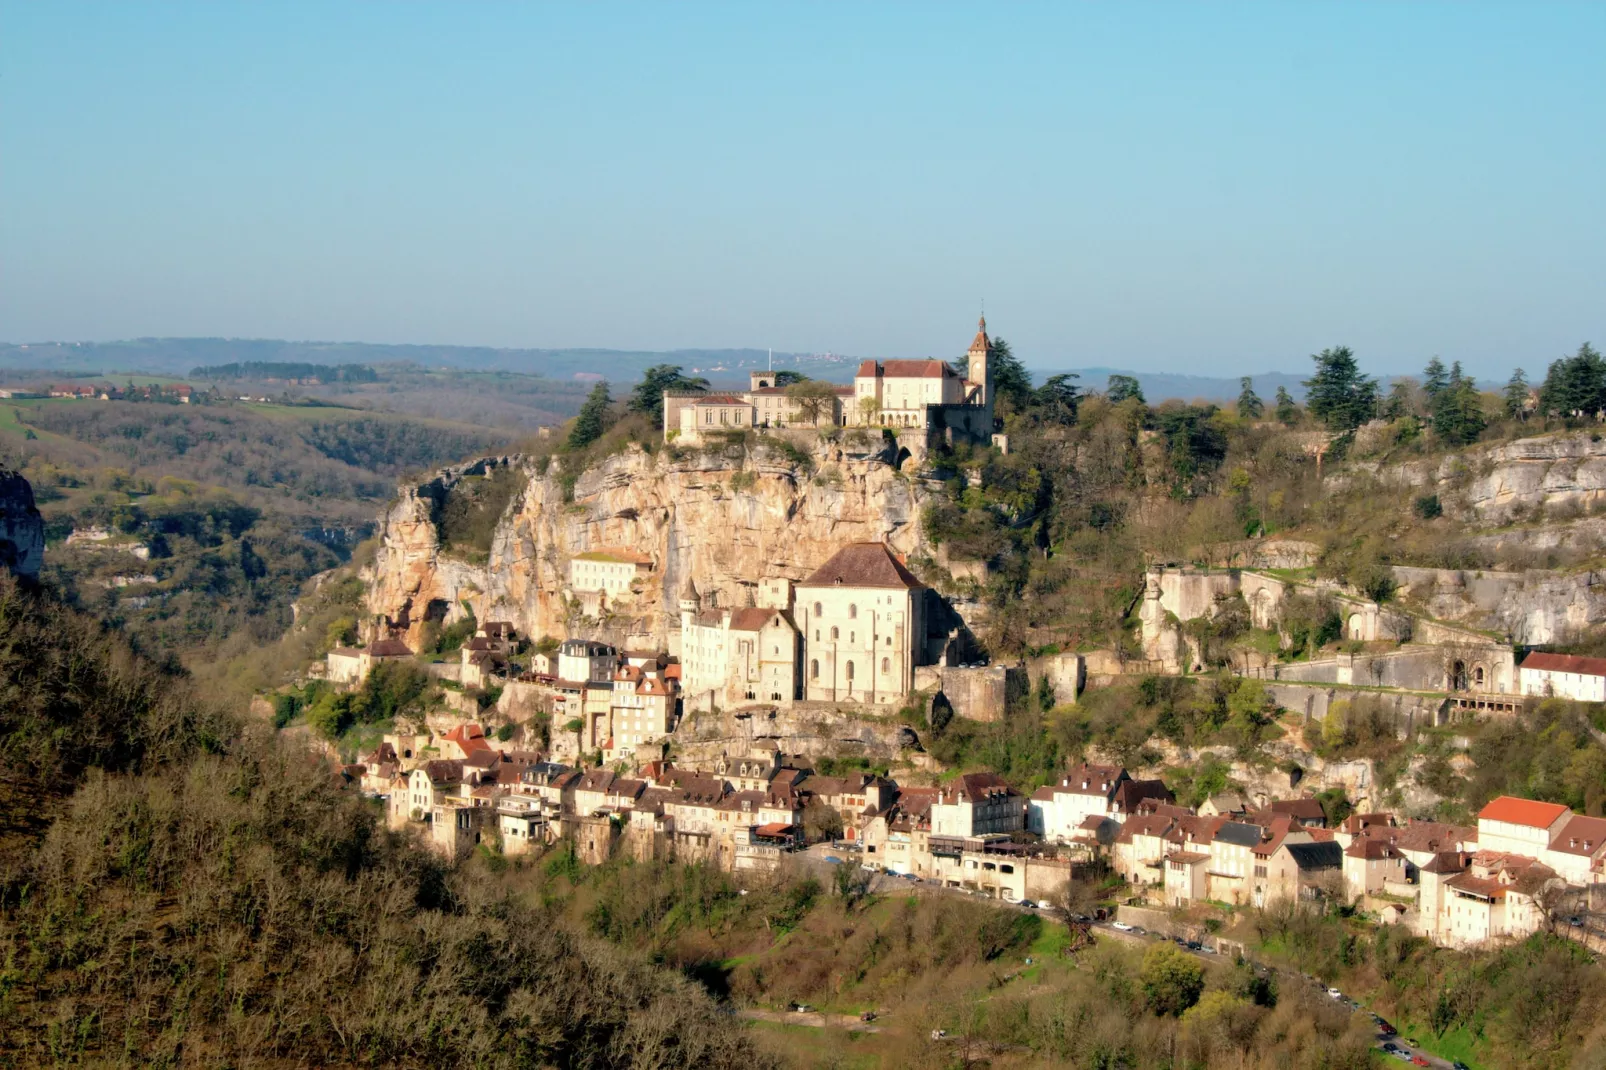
<point>206,519</point>
<point>204,895</point>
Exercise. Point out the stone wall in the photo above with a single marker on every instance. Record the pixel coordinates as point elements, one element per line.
<point>979,694</point>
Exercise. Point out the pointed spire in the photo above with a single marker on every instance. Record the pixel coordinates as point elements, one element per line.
<point>689,595</point>
<point>980,344</point>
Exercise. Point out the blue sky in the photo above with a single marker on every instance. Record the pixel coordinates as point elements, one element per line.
<point>1198,188</point>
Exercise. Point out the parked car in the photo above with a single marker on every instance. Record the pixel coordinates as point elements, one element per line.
<point>1121,926</point>
<point>1385,1028</point>
<point>1333,993</point>
<point>1402,1055</point>
<point>1028,904</point>
<point>1390,1048</point>
<point>1418,1060</point>
<point>867,1016</point>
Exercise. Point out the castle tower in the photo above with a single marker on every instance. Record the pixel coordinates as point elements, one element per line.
<point>977,372</point>
<point>691,604</point>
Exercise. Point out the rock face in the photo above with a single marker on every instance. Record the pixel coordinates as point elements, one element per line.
<point>22,530</point>
<point>721,519</point>
<point>1509,481</point>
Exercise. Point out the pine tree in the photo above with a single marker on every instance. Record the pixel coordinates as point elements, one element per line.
<point>1338,394</point>
<point>1575,386</point>
<point>1516,396</point>
<point>1250,407</point>
<point>648,397</point>
<point>1458,409</point>
<point>1400,403</point>
<point>1287,410</point>
<point>1011,382</point>
<point>1434,382</point>
<point>593,419</point>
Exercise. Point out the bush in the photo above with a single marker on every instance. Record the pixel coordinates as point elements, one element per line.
<point>1427,507</point>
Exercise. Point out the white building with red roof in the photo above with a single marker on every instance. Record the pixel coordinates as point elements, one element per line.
<point>1563,676</point>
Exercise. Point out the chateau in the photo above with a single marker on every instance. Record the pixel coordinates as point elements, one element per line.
<point>924,395</point>
<point>852,632</point>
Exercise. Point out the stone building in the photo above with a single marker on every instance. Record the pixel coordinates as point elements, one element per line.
<point>863,619</point>
<point>730,657</point>
<point>926,395</point>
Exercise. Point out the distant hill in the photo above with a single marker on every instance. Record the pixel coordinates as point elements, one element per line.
<point>208,357</point>
<point>273,371</point>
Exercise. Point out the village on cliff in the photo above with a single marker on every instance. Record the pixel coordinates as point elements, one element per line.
<point>684,742</point>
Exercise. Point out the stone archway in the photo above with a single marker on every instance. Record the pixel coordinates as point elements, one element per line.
<point>1458,675</point>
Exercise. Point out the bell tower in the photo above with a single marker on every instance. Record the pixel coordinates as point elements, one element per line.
<point>977,372</point>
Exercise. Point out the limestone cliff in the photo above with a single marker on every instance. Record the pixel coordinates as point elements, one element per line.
<point>723,519</point>
<point>22,530</point>
<point>1509,481</point>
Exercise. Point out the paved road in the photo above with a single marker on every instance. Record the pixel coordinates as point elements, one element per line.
<point>812,1019</point>
<point>1392,1043</point>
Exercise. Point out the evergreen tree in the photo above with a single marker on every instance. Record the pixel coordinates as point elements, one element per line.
<point>1434,382</point>
<point>648,396</point>
<point>1575,386</point>
<point>1122,387</point>
<point>1458,409</point>
<point>1338,394</point>
<point>1250,407</point>
<point>593,420</point>
<point>1056,400</point>
<point>1011,383</point>
<point>1516,395</point>
<point>1287,409</point>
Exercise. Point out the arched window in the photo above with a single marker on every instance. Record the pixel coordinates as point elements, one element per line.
<point>814,669</point>
<point>817,609</point>
<point>853,637</point>
<point>833,633</point>
<point>886,664</point>
<point>850,672</point>
<point>853,612</point>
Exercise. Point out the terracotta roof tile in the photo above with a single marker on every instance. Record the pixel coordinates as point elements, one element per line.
<point>1572,663</point>
<point>1529,812</point>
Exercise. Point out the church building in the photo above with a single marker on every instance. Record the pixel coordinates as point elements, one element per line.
<point>862,615</point>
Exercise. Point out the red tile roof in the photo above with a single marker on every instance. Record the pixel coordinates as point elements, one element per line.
<point>1566,663</point>
<point>1530,812</point>
<point>906,369</point>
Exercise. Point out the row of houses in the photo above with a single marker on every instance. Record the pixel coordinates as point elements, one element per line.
<point>178,392</point>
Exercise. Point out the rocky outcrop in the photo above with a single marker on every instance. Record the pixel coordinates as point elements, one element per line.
<point>724,519</point>
<point>22,530</point>
<point>1533,608</point>
<point>1559,472</point>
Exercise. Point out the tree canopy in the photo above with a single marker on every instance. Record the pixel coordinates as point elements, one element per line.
<point>1338,394</point>
<point>648,396</point>
<point>814,399</point>
<point>1011,383</point>
<point>1122,387</point>
<point>594,418</point>
<point>1575,385</point>
<point>1250,407</point>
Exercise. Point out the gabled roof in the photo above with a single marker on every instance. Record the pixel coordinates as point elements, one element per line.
<point>1309,856</point>
<point>1086,779</point>
<point>1572,663</point>
<point>863,564</point>
<point>443,770</point>
<point>1304,809</point>
<point>905,369</point>
<point>1529,812</point>
<point>753,620</point>
<point>1130,793</point>
<point>974,787</point>
<point>389,648</point>
<point>1239,834</point>
<point>1581,835</point>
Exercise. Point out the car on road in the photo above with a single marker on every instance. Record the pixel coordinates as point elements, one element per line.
<point>1028,904</point>
<point>1384,1027</point>
<point>1458,1065</point>
<point>1401,1054</point>
<point>1120,926</point>
<point>1418,1060</point>
<point>833,860</point>
<point>1333,993</point>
